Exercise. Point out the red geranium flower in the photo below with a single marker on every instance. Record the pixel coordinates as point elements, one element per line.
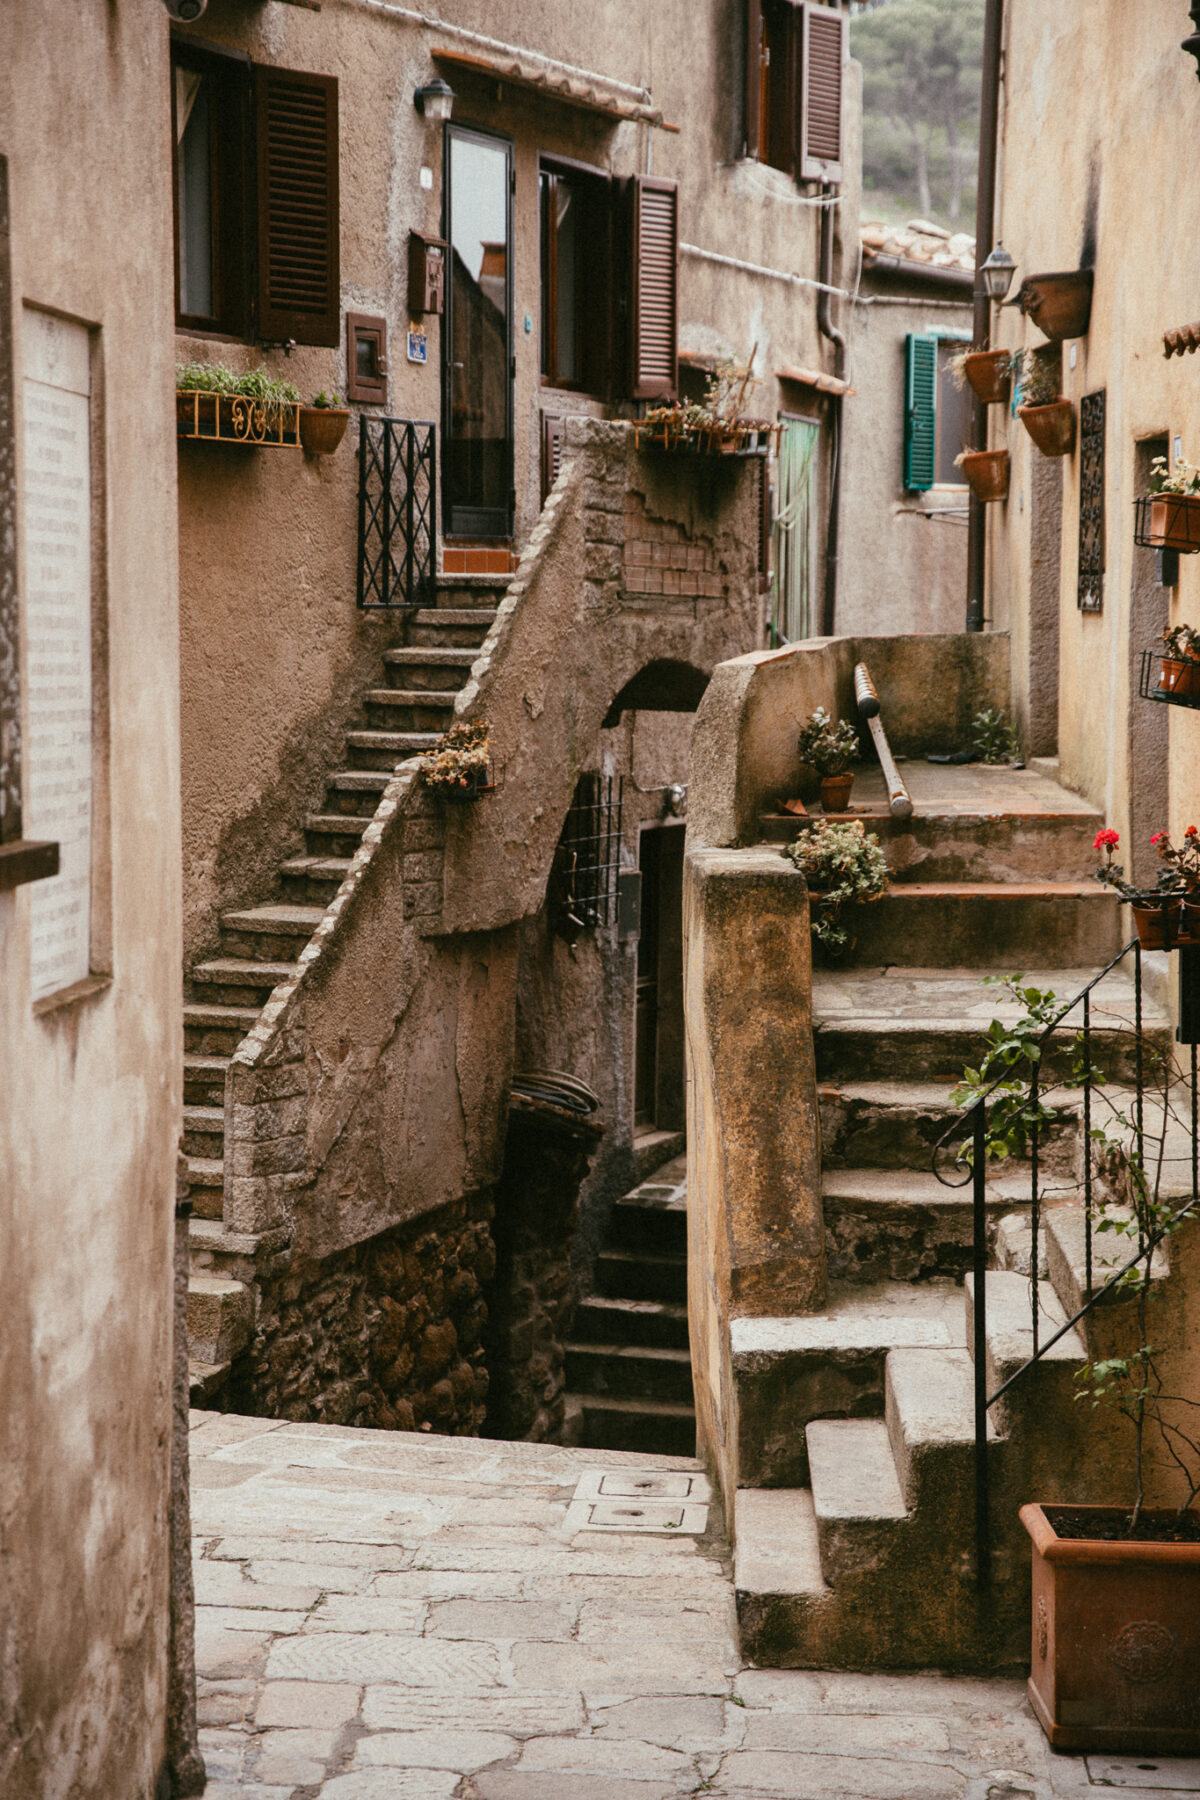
<point>1190,832</point>
<point>1106,839</point>
<point>1160,837</point>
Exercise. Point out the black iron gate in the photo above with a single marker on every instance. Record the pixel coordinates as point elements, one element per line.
<point>397,513</point>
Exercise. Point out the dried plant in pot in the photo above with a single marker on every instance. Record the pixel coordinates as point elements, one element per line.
<point>830,749</point>
<point>985,472</point>
<point>459,768</point>
<point>323,424</point>
<point>1046,415</point>
<point>1060,305</point>
<point>844,866</point>
<point>987,372</point>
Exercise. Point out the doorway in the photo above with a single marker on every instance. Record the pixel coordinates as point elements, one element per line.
<point>658,1068</point>
<point>477,395</point>
<point>793,596</point>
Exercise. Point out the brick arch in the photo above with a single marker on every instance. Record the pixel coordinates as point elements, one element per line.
<point>663,685</point>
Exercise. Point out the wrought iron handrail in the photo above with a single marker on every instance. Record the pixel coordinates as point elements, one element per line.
<point>397,513</point>
<point>976,1175</point>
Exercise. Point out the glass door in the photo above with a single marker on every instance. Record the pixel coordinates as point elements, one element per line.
<point>477,409</point>
<point>793,602</point>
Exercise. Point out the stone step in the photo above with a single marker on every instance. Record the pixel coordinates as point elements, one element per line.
<point>634,1275</point>
<point>391,708</point>
<point>239,982</point>
<point>652,1149</point>
<point>204,1079</point>
<point>779,1588</point>
<point>219,1318</point>
<point>930,1418</point>
<point>857,1500</point>
<point>355,793</point>
<point>206,1186</point>
<point>1064,1247</point>
<point>212,1250</point>
<point>653,1217</point>
<point>901,1225</point>
<point>632,1371</point>
<point>463,627</point>
<point>368,749</point>
<point>988,925</point>
<point>666,1427</point>
<point>313,880</point>
<point>458,591</point>
<point>204,1131</point>
<point>830,1365</point>
<point>277,932</point>
<point>213,1030</point>
<point>601,1319</point>
<point>889,1124</point>
<point>334,834</point>
<point>954,847</point>
<point>437,667</point>
<point>205,1381</point>
<point>1044,1398</point>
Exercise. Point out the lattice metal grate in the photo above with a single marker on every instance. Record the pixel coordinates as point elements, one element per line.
<point>397,513</point>
<point>1091,502</point>
<point>588,856</point>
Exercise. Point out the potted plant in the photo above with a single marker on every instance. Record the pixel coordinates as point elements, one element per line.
<point>323,424</point>
<point>214,402</point>
<point>1180,661</point>
<point>844,866</point>
<point>1060,305</point>
<point>986,473</point>
<point>1157,911</point>
<point>988,372</point>
<point>1046,415</point>
<point>459,767</point>
<point>830,749</point>
<point>1175,504</point>
<point>994,739</point>
<point>714,426</point>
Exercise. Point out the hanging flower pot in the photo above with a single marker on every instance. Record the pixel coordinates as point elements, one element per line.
<point>986,473</point>
<point>989,374</point>
<point>1180,677</point>
<point>322,428</point>
<point>1175,521</point>
<point>1157,923</point>
<point>1052,427</point>
<point>1059,305</point>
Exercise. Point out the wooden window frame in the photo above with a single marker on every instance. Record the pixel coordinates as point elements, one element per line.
<point>231,188</point>
<point>366,390</point>
<point>594,314</point>
<point>777,102</point>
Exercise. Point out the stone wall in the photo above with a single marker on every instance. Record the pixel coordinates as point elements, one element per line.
<point>386,1333</point>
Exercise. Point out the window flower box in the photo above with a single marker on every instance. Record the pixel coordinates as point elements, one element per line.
<point>207,417</point>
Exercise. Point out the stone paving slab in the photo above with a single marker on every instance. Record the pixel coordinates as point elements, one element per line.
<point>445,1636</point>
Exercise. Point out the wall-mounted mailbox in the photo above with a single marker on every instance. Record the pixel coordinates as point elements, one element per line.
<point>426,274</point>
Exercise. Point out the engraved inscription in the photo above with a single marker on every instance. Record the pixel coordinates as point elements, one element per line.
<point>58,637</point>
<point>1144,1650</point>
<point>1043,1628</point>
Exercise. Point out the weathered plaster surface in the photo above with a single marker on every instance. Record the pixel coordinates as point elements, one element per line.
<point>90,1091</point>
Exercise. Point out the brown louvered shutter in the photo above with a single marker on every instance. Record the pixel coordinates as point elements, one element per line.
<point>822,64</point>
<point>298,273</point>
<point>655,364</point>
<point>754,75</point>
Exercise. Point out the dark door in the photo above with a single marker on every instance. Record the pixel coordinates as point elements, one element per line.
<point>477,407</point>
<point>658,1069</point>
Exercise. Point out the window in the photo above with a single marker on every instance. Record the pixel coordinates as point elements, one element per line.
<point>795,62</point>
<point>609,281</point>
<point>256,198</point>
<point>937,412</point>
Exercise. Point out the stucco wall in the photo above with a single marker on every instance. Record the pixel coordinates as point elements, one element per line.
<point>1099,93</point>
<point>90,1090</point>
<point>273,649</point>
<point>903,561</point>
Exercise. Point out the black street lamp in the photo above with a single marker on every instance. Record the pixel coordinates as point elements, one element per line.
<point>1192,44</point>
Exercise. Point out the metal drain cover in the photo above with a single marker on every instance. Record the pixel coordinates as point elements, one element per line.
<point>639,1500</point>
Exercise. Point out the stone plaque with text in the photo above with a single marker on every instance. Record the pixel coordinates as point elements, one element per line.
<point>58,641</point>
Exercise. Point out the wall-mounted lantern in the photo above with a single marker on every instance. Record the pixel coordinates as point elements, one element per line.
<point>435,100</point>
<point>995,275</point>
<point>1192,44</point>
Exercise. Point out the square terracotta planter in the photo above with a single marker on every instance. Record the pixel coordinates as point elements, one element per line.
<point>1115,1661</point>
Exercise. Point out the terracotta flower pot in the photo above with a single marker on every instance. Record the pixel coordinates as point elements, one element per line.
<point>1180,676</point>
<point>1059,305</point>
<point>1116,1639</point>
<point>835,791</point>
<point>1175,521</point>
<point>989,375</point>
<point>1157,927</point>
<point>322,428</point>
<point>1052,427</point>
<point>478,782</point>
<point>986,472</point>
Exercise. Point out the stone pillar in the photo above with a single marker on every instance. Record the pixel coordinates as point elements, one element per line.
<point>185,1766</point>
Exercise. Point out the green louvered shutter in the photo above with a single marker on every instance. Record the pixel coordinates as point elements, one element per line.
<point>920,409</point>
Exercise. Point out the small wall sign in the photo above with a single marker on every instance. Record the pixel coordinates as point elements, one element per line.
<point>418,349</point>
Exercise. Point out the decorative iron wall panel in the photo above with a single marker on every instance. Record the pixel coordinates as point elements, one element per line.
<point>397,513</point>
<point>1091,502</point>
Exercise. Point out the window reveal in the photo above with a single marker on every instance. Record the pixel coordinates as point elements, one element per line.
<point>1091,502</point>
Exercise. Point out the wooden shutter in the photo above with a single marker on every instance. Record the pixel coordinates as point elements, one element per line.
<point>298,275</point>
<point>819,151</point>
<point>920,410</point>
<point>754,75</point>
<point>653,312</point>
<point>552,444</point>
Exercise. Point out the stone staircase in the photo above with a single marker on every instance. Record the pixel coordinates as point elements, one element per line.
<point>260,945</point>
<point>854,1516</point>
<point>629,1374</point>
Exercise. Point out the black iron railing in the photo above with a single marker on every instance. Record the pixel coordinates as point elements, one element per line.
<point>960,1157</point>
<point>397,513</point>
<point>588,856</point>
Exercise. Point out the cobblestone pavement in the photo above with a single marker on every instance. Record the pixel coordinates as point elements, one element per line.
<point>392,1616</point>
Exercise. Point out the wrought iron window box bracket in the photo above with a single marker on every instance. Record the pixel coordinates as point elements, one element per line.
<point>202,416</point>
<point>26,859</point>
<point>1150,684</point>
